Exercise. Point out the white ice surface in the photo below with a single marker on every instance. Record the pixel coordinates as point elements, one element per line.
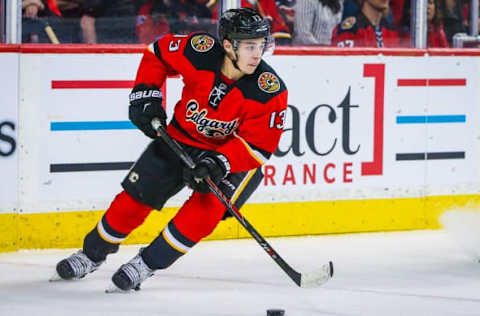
<point>400,273</point>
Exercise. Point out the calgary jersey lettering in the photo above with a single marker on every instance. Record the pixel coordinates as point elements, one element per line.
<point>206,126</point>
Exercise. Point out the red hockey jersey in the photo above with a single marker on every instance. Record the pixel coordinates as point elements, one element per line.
<point>357,31</point>
<point>243,120</point>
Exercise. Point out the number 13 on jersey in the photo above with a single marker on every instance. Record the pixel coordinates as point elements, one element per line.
<point>277,119</point>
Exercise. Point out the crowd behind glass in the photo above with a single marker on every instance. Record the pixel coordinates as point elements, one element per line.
<point>340,23</point>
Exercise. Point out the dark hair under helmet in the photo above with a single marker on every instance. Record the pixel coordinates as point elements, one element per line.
<point>243,23</point>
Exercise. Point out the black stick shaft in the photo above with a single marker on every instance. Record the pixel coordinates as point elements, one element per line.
<point>177,148</point>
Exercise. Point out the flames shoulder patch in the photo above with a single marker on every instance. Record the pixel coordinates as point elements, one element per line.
<point>202,43</point>
<point>268,82</point>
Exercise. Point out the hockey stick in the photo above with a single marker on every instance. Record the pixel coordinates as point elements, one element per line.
<point>315,278</point>
<point>50,33</point>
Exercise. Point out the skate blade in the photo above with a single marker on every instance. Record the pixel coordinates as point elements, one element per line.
<point>113,289</point>
<point>55,278</point>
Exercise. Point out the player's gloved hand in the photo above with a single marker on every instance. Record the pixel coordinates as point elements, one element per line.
<point>145,104</point>
<point>213,165</point>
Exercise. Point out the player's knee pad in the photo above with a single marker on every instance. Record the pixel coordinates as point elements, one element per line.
<point>125,213</point>
<point>199,216</point>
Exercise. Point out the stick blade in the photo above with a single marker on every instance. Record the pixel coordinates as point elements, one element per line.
<point>317,277</point>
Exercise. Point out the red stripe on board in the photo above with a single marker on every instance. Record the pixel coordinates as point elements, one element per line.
<point>335,51</point>
<point>447,82</point>
<point>9,48</point>
<point>412,82</point>
<point>82,49</point>
<point>377,72</point>
<point>432,82</point>
<point>92,84</point>
<point>279,50</point>
<point>453,51</point>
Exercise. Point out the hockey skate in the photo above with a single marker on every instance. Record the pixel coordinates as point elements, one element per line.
<point>130,275</point>
<point>75,267</point>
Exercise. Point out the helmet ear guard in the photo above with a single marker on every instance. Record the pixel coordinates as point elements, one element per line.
<point>269,46</point>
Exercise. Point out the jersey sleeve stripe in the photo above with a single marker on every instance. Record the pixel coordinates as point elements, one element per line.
<point>151,48</point>
<point>257,155</point>
<point>156,50</point>
<point>265,154</point>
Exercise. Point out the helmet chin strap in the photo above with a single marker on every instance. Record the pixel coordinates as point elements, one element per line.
<point>234,61</point>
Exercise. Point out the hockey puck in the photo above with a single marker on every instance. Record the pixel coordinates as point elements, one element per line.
<point>275,312</point>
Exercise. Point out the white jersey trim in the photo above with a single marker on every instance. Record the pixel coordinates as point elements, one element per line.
<point>106,236</point>
<point>257,155</point>
<point>151,49</point>
<point>175,243</point>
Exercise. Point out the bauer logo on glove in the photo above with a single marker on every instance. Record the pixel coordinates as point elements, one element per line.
<point>146,104</point>
<point>146,94</point>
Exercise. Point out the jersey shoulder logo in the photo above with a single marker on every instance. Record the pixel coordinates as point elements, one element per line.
<point>348,23</point>
<point>268,82</point>
<point>202,43</point>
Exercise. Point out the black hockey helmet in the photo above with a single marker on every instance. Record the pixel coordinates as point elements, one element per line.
<point>243,23</point>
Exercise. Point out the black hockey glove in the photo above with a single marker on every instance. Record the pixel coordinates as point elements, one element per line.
<point>145,104</point>
<point>213,165</point>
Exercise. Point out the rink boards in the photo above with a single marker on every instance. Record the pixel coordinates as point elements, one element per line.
<point>375,140</point>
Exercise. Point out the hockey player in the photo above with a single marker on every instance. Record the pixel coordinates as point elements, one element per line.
<point>230,119</point>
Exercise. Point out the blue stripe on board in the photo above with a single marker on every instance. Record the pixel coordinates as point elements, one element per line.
<point>420,119</point>
<point>91,125</point>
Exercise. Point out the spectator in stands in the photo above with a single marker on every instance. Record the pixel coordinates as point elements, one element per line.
<point>192,15</point>
<point>269,10</point>
<point>62,15</point>
<point>158,17</point>
<point>368,28</point>
<point>286,8</point>
<point>31,7</point>
<point>350,8</point>
<point>315,21</point>
<point>113,21</point>
<point>396,6</point>
<point>152,21</point>
<point>452,12</point>
<point>435,33</point>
